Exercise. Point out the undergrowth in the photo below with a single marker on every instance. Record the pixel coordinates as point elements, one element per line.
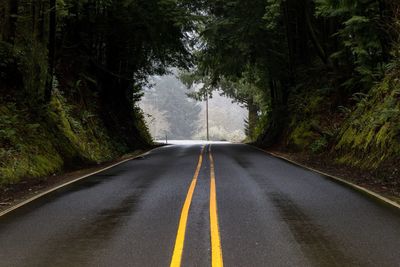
<point>371,134</point>
<point>54,137</point>
<point>366,136</point>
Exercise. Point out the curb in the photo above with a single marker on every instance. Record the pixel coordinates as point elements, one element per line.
<point>70,182</point>
<point>341,181</point>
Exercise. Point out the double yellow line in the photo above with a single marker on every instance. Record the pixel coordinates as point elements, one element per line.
<point>216,250</point>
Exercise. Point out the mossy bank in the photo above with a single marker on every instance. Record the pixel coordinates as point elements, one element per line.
<point>61,135</point>
<point>362,132</point>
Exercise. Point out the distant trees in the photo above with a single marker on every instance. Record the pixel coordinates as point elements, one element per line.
<point>168,99</point>
<point>226,120</point>
<point>240,90</point>
<point>156,120</point>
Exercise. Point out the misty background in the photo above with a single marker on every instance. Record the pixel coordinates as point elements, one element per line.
<point>169,111</point>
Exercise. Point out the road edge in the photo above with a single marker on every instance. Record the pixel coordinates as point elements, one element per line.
<point>339,180</point>
<point>27,201</point>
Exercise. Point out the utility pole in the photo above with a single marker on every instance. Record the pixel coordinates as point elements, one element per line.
<point>208,134</point>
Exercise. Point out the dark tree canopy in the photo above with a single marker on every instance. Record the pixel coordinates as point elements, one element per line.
<point>259,52</point>
<point>274,47</point>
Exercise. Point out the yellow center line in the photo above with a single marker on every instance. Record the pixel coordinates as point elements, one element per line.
<point>216,249</point>
<point>180,236</point>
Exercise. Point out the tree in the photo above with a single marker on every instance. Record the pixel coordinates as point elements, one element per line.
<point>51,48</point>
<point>99,52</point>
<point>285,43</point>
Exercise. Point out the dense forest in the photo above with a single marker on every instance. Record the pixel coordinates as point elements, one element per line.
<point>71,73</point>
<point>319,76</point>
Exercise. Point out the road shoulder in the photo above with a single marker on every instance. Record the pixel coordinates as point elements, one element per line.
<point>355,180</point>
<point>14,196</point>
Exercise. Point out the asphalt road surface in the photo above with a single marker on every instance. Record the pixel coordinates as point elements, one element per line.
<point>180,206</point>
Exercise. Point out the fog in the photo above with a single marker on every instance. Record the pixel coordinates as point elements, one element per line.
<point>170,113</point>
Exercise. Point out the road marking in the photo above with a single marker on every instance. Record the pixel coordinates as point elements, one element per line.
<point>216,249</point>
<point>180,236</point>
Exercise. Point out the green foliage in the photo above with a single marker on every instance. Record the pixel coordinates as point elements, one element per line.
<point>320,145</point>
<point>260,126</point>
<point>283,43</point>
<point>301,136</point>
<point>369,136</point>
<point>78,78</point>
<point>36,147</point>
<point>26,150</point>
<point>363,42</point>
<point>141,126</point>
<point>87,138</point>
<point>294,63</point>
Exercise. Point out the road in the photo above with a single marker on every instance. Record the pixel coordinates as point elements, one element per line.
<point>172,208</point>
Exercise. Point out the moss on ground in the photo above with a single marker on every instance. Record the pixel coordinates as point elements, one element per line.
<point>366,137</point>
<point>84,132</point>
<point>306,129</point>
<point>371,134</point>
<point>60,135</point>
<point>301,136</point>
<point>27,149</point>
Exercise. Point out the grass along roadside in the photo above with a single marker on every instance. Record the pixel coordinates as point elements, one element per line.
<point>14,195</point>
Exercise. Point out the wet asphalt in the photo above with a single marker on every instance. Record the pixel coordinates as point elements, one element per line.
<point>271,213</point>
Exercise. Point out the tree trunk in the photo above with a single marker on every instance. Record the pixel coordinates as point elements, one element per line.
<point>384,36</point>
<point>51,49</point>
<point>277,117</point>
<point>11,21</point>
<point>5,15</point>
<point>314,38</point>
<point>253,117</point>
<point>116,94</point>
